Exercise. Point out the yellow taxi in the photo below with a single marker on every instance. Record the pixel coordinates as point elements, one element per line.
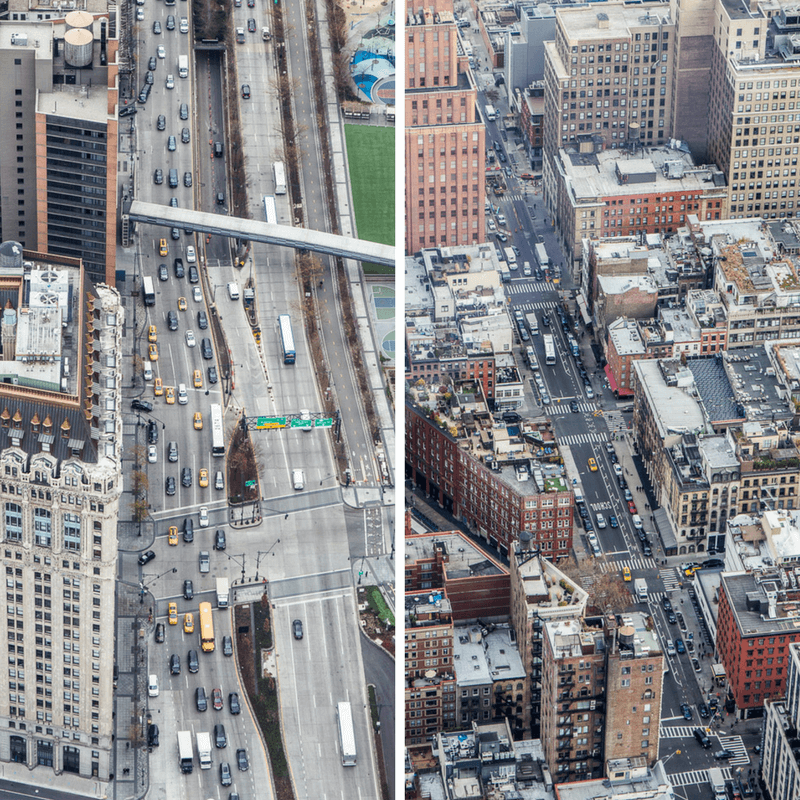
<point>198,421</point>
<point>152,334</point>
<point>198,379</point>
<point>158,387</point>
<point>172,611</point>
<point>181,304</point>
<point>172,536</point>
<point>592,465</point>
<point>188,622</point>
<point>152,352</point>
<point>170,398</point>
<point>626,573</point>
<point>162,248</point>
<point>203,478</point>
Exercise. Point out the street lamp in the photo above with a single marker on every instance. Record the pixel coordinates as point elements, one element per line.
<point>236,558</point>
<point>262,553</point>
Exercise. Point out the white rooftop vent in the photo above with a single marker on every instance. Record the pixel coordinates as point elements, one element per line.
<point>20,39</point>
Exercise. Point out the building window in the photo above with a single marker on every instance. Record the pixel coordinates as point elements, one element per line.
<point>14,522</point>
<point>72,532</point>
<point>43,527</point>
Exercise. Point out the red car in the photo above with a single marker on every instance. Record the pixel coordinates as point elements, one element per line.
<point>631,506</point>
<point>216,699</point>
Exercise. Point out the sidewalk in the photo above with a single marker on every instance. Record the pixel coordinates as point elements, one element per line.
<point>64,783</point>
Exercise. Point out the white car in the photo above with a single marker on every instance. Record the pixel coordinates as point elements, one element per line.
<point>161,52</point>
<point>191,255</point>
<point>305,415</point>
<point>170,82</point>
<point>203,516</point>
<point>190,340</point>
<point>140,14</point>
<point>492,226</point>
<point>152,454</point>
<point>197,294</point>
<point>618,469</point>
<point>184,25</point>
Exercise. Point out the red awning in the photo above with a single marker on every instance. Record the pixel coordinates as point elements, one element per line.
<point>611,379</point>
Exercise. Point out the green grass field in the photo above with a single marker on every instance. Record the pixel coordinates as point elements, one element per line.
<point>370,154</point>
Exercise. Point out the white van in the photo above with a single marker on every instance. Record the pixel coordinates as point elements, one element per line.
<point>152,686</point>
<point>298,479</point>
<point>637,521</point>
<point>601,521</point>
<point>233,291</point>
<point>219,481</point>
<point>183,397</point>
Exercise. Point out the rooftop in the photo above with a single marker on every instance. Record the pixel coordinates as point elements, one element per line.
<point>463,558</point>
<point>624,333</point>
<point>755,386</point>
<point>763,602</point>
<point>481,656</point>
<point>610,20</point>
<point>545,587</point>
<point>629,779</point>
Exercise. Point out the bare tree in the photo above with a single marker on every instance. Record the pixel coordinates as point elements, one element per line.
<point>606,587</point>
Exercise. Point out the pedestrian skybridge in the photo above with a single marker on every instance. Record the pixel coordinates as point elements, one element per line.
<point>255,231</point>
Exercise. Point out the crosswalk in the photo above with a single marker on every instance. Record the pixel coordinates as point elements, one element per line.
<point>633,563</point>
<point>737,747</point>
<point>670,578</point>
<point>578,438</point>
<point>525,286</point>
<point>695,776</point>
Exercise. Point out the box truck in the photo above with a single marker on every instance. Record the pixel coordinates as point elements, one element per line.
<point>491,112</point>
<point>204,750</point>
<point>185,751</point>
<point>183,66</point>
<point>640,587</point>
<point>222,592</point>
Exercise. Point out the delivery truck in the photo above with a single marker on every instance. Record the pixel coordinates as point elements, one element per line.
<point>183,66</point>
<point>185,751</point>
<point>222,592</point>
<point>204,749</point>
<point>640,587</point>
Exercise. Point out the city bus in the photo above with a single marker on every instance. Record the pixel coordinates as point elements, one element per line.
<point>148,291</point>
<point>206,628</point>
<point>270,213</point>
<point>347,737</point>
<point>549,349</point>
<point>217,434</point>
<point>287,339</point>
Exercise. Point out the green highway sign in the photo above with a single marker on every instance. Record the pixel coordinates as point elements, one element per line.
<point>249,483</point>
<point>324,423</point>
<point>270,422</point>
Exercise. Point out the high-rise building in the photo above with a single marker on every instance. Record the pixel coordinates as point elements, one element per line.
<point>780,769</point>
<point>445,136</point>
<point>61,468</point>
<point>58,138</point>
<point>608,80</point>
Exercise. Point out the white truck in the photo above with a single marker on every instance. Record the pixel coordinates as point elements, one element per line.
<point>491,112</point>
<point>204,749</point>
<point>183,66</point>
<point>717,781</point>
<point>511,257</point>
<point>640,587</point>
<point>541,256</point>
<point>222,592</point>
<point>279,176</point>
<point>185,753</point>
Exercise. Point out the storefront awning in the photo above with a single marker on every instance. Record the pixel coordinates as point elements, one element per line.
<point>581,300</point>
<point>611,379</point>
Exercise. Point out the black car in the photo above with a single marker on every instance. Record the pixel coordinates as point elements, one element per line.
<point>241,759</point>
<point>161,122</point>
<point>186,477</point>
<point>220,737</point>
<point>219,540</point>
<point>212,375</point>
<point>225,774</point>
<point>671,618</point>
<point>233,702</point>
<point>702,710</point>
<point>128,111</point>
<point>193,661</point>
<point>686,709</point>
<point>205,349</point>
<point>152,432</point>
<point>723,754</point>
<point>712,563</point>
<point>696,665</point>
<point>146,557</point>
<point>202,320</point>
<point>573,405</point>
<point>188,530</point>
<point>680,646</point>
<point>187,180</point>
<point>227,646</point>
<point>194,275</point>
<point>172,317</point>
<point>623,484</point>
<point>179,270</point>
<point>185,137</point>
<point>583,511</point>
<point>174,664</point>
<point>183,112</point>
<point>251,25</point>
<point>145,93</point>
<point>152,62</point>
<point>169,486</point>
<point>188,590</point>
<point>149,77</point>
<point>245,91</point>
<point>163,273</point>
<point>646,549</point>
<point>160,633</point>
<point>200,699</point>
<point>702,737</point>
<point>158,177</point>
<point>141,405</point>
<point>297,629</point>
<point>156,27</point>
<point>666,604</point>
<point>152,735</point>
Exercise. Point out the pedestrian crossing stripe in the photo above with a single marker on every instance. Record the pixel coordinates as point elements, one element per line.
<point>695,776</point>
<point>671,582</point>
<point>579,438</point>
<point>527,286</point>
<point>641,563</point>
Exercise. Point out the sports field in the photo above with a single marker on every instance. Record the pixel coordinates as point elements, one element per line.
<point>370,154</point>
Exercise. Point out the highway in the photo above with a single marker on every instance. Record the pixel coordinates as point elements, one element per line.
<point>304,543</point>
